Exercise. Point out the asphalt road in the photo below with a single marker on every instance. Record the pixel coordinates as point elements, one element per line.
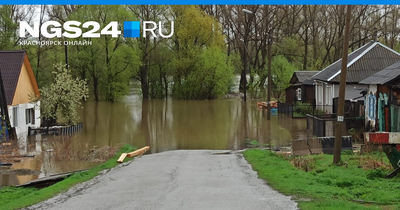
<point>178,180</point>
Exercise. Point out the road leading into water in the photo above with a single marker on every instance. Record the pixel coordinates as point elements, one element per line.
<point>175,180</point>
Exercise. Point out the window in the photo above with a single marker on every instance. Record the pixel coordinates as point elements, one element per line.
<point>30,116</point>
<point>15,116</point>
<point>298,91</point>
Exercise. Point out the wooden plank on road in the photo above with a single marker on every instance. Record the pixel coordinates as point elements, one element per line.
<point>122,157</point>
<point>138,152</point>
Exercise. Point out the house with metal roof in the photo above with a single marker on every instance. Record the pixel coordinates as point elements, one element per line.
<point>383,99</point>
<point>301,88</point>
<point>17,84</point>
<point>362,63</point>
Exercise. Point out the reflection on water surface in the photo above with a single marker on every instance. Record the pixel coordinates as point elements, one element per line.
<point>161,124</point>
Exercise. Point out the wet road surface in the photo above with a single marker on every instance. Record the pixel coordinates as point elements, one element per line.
<point>179,180</point>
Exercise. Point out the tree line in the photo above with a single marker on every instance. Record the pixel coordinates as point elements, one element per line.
<point>211,44</point>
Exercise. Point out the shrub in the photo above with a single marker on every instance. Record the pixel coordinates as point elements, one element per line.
<point>375,174</point>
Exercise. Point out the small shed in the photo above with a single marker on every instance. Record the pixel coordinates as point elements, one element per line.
<point>302,88</point>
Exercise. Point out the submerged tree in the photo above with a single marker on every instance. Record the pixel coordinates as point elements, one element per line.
<point>282,71</point>
<point>108,62</point>
<point>200,63</point>
<point>62,97</point>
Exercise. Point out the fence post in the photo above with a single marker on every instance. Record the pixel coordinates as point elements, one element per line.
<point>292,110</point>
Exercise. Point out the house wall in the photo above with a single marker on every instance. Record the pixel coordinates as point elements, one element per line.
<point>383,89</point>
<point>21,103</point>
<point>24,88</point>
<point>290,96</point>
<point>21,125</point>
<point>323,96</point>
<point>303,93</point>
<point>352,91</point>
<point>307,94</point>
<point>325,92</point>
<point>318,93</point>
<point>310,94</point>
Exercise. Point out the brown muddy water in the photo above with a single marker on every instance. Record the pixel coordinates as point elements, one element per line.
<point>162,124</point>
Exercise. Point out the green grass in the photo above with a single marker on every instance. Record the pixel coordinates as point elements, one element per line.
<point>19,197</point>
<point>326,186</point>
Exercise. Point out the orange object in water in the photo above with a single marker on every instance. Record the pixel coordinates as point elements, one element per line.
<point>262,105</point>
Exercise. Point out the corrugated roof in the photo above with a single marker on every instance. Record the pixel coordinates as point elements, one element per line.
<point>308,82</point>
<point>362,63</point>
<point>302,76</point>
<point>376,59</point>
<point>10,66</point>
<point>384,76</point>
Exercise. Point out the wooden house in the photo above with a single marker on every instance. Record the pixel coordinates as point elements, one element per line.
<point>18,83</point>
<point>302,88</point>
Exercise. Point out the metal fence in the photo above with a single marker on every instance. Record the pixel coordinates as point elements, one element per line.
<point>56,130</point>
<point>324,125</point>
<point>351,109</point>
<point>285,109</point>
<point>300,110</point>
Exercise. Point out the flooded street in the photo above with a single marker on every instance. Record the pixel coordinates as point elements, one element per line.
<point>164,125</point>
<point>178,124</point>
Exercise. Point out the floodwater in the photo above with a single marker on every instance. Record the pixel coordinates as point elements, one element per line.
<point>161,124</point>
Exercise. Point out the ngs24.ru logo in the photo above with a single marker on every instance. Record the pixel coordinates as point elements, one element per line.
<point>52,29</point>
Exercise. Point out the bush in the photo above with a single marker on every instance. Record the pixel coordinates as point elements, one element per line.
<point>375,174</point>
<point>301,109</point>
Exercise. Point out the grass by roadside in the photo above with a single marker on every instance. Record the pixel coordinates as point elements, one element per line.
<point>19,197</point>
<point>317,184</point>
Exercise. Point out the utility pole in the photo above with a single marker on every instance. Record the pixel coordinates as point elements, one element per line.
<point>342,87</point>
<point>245,68</point>
<point>269,76</point>
<point>245,42</point>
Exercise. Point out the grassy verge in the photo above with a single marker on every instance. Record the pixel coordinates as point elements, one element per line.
<point>16,198</point>
<point>316,184</point>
